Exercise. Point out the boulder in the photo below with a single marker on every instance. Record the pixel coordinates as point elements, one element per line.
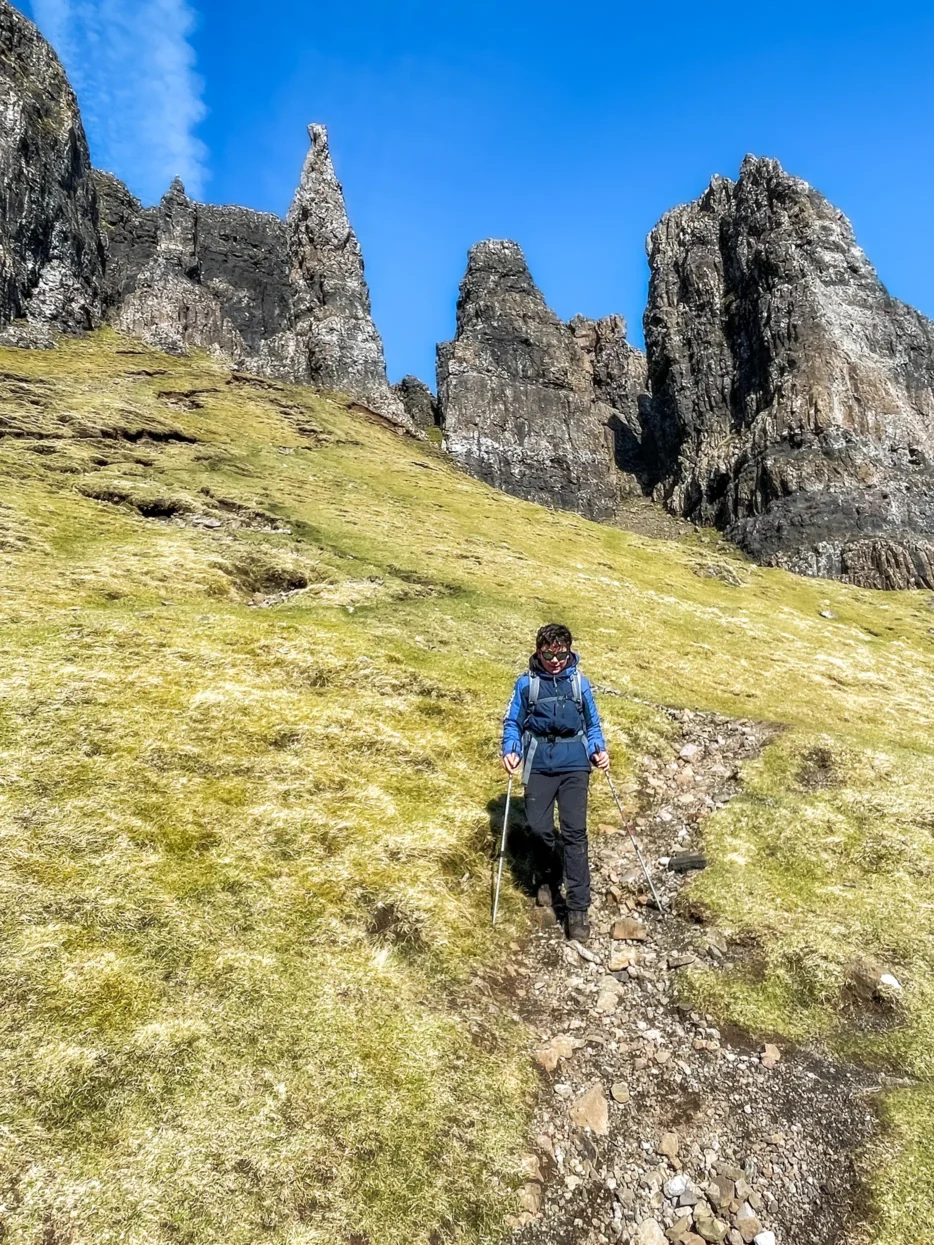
<point>649,1232</point>
<point>591,1110</point>
<point>669,1145</point>
<point>628,929</point>
<point>792,397</point>
<point>871,982</point>
<point>51,261</point>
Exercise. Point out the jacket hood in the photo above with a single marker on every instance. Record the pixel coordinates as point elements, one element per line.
<point>536,667</point>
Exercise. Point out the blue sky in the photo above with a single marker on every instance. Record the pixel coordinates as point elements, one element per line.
<point>570,128</point>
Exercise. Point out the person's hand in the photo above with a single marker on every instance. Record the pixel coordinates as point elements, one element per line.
<point>602,761</point>
<point>512,763</point>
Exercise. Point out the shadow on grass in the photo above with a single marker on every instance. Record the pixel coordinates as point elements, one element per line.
<point>526,868</point>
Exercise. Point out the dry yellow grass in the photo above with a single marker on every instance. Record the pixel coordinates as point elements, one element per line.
<point>255,650</point>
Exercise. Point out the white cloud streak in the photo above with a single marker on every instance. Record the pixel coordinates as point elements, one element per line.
<point>133,68</point>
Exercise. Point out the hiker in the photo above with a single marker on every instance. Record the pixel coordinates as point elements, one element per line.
<point>552,734</point>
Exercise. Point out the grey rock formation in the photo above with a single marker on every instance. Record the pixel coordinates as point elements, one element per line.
<point>129,234</point>
<point>244,258</point>
<point>793,398</point>
<point>339,347</point>
<point>238,256</point>
<point>283,298</point>
<point>169,306</point>
<point>420,403</point>
<point>50,255</point>
<point>516,390</point>
<point>619,375</point>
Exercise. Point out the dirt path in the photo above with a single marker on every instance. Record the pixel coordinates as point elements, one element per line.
<point>653,1125</point>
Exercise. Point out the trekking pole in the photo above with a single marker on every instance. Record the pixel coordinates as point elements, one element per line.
<point>632,839</point>
<point>502,852</point>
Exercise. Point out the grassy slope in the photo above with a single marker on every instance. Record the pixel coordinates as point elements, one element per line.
<point>244,880</point>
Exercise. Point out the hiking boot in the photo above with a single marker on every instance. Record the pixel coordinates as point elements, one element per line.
<point>578,927</point>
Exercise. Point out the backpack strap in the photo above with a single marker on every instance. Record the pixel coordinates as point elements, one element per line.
<point>530,748</point>
<point>529,742</point>
<point>576,690</point>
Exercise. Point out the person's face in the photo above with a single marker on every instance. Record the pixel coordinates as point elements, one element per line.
<point>554,658</point>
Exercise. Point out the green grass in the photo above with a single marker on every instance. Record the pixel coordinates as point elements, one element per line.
<point>245,881</point>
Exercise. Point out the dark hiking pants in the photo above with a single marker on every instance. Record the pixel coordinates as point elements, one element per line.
<point>570,792</point>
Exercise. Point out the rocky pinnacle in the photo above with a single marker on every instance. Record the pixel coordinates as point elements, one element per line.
<point>420,403</point>
<point>517,392</point>
<point>51,262</point>
<point>793,398</point>
<point>337,339</point>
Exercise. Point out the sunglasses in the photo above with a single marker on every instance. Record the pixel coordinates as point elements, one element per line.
<point>563,656</point>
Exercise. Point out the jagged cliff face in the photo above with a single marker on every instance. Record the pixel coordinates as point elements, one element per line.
<point>170,306</point>
<point>618,375</point>
<point>187,274</point>
<point>51,264</point>
<point>517,390</point>
<point>283,298</point>
<point>793,399</point>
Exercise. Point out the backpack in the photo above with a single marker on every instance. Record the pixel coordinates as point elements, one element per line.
<point>530,742</point>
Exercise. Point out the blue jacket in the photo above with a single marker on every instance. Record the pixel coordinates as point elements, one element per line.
<point>555,722</point>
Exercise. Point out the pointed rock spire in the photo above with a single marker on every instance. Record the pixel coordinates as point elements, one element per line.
<point>420,403</point>
<point>338,343</point>
<point>178,229</point>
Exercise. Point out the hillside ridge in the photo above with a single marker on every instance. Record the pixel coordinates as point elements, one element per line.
<point>256,647</point>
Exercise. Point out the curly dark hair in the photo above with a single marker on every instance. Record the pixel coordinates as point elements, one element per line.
<point>553,634</point>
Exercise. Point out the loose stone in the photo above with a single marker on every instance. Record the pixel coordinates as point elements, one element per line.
<point>747,1223</point>
<point>770,1055</point>
<point>649,1233</point>
<point>591,1110</point>
<point>669,1145</point>
<point>530,1197</point>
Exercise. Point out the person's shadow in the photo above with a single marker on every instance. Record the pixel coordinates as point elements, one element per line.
<point>523,858</point>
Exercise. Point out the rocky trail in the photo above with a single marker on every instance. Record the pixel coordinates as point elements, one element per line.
<point>653,1125</point>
